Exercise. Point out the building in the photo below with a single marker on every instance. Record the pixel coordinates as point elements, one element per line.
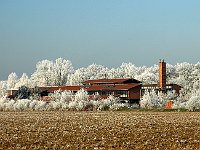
<point>168,87</point>
<point>126,89</point>
<point>162,85</point>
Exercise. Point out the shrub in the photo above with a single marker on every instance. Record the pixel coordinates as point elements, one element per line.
<point>23,92</point>
<point>193,103</point>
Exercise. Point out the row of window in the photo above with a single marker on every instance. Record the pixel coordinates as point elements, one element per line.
<point>119,93</point>
<point>155,87</point>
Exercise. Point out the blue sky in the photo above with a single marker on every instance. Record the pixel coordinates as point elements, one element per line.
<point>106,32</point>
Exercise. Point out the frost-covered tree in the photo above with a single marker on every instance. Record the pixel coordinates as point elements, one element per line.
<point>193,103</point>
<point>23,81</point>
<point>111,102</point>
<point>52,73</point>
<point>114,73</point>
<point>91,72</point>
<point>80,100</point>
<point>43,74</point>
<point>81,95</point>
<point>96,71</point>
<point>196,77</point>
<point>62,96</point>
<point>184,71</point>
<point>77,78</point>
<point>61,70</point>
<point>171,73</point>
<point>151,99</point>
<point>170,95</point>
<point>147,78</point>
<point>3,88</point>
<point>128,70</point>
<point>148,75</point>
<point>12,80</point>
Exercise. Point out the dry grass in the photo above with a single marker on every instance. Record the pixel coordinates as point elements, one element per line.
<point>99,130</point>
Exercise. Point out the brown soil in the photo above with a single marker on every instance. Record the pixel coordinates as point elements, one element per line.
<point>99,130</point>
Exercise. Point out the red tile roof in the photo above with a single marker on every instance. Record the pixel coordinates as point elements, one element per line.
<point>62,88</point>
<point>111,87</point>
<point>91,88</point>
<point>109,81</point>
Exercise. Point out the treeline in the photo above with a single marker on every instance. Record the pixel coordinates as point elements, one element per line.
<point>62,72</point>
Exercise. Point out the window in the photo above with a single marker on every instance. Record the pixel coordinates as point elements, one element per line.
<point>107,92</point>
<point>92,92</point>
<point>122,93</point>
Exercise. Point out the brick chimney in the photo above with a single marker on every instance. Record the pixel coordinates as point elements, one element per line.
<point>162,74</point>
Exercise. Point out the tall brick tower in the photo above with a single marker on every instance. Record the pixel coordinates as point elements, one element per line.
<point>162,74</point>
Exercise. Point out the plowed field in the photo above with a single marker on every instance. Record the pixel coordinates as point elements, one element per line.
<point>99,130</point>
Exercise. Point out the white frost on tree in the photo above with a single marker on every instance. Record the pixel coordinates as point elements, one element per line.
<point>23,81</point>
<point>147,78</point>
<point>128,70</point>
<point>81,95</point>
<point>43,74</point>
<point>151,100</point>
<point>52,73</point>
<point>61,70</point>
<point>3,88</point>
<point>93,71</point>
<point>193,103</point>
<point>12,80</point>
